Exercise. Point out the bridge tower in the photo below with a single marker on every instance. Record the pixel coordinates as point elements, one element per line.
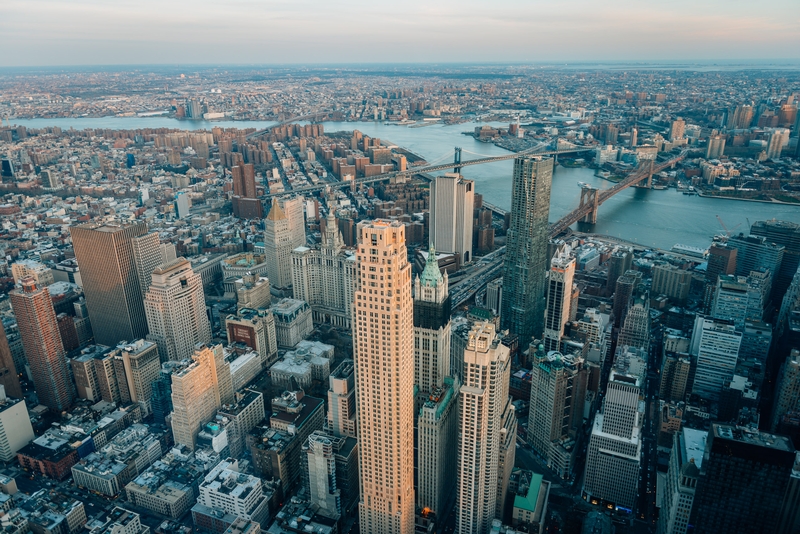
<point>650,175</point>
<point>457,160</point>
<point>589,197</point>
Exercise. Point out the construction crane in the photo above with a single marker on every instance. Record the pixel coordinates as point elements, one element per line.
<point>727,232</point>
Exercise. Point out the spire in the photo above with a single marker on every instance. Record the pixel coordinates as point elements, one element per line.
<point>275,212</point>
<point>431,276</point>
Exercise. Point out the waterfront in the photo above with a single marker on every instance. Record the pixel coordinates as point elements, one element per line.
<point>649,217</point>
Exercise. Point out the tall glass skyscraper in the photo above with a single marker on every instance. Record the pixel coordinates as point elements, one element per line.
<point>524,274</point>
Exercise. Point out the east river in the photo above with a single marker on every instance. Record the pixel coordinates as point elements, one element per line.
<point>651,218</point>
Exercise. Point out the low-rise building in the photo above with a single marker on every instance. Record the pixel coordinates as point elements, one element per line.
<point>309,362</point>
<point>292,322</point>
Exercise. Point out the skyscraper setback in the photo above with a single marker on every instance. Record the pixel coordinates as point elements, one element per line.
<point>525,269</point>
<point>42,342</point>
<point>110,280</point>
<point>383,347</point>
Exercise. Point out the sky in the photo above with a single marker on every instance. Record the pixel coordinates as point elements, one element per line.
<point>121,32</point>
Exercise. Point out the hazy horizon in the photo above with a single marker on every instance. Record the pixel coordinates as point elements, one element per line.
<point>50,33</point>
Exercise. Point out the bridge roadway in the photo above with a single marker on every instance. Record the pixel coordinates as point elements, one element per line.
<point>286,121</point>
<point>423,169</point>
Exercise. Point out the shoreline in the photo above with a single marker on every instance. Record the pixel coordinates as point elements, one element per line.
<point>773,201</point>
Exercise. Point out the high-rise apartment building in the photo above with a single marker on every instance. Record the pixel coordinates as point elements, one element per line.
<point>743,479</point>
<point>9,378</point>
<point>485,408</point>
<point>199,388</point>
<point>325,277</point>
<point>740,117</point>
<point>137,366</point>
<point>431,327</point>
<point>437,437</point>
<point>38,328</point>
<point>778,139</point>
<point>624,289</point>
<point>677,129</point>
<point>525,269</point>
<point>451,212</point>
<point>558,297</point>
<point>716,146</point>
<point>342,400</point>
<point>284,231</point>
<point>555,413</point>
<point>383,347</point>
<point>244,180</point>
<point>176,310</point>
<point>715,343</point>
<point>613,457</point>
<point>671,281</point>
<point>110,282</point>
<point>635,331</point>
<point>685,460</point>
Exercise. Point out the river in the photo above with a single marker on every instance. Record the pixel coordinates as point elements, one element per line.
<point>651,218</point>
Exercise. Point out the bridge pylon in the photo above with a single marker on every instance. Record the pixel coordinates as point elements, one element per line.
<point>589,197</point>
<point>457,160</point>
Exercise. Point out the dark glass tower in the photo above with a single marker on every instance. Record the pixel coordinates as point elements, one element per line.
<point>524,273</point>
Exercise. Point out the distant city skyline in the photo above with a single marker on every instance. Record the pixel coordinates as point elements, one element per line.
<point>89,32</point>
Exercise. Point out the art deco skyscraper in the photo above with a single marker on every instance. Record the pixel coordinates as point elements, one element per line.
<point>452,202</point>
<point>383,346</point>
<point>176,310</point>
<point>559,297</point>
<point>149,253</point>
<point>431,327</point>
<point>525,270</point>
<point>284,230</point>
<point>483,430</point>
<point>110,282</point>
<point>42,343</point>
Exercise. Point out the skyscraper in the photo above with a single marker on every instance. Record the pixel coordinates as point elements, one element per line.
<point>342,400</point>
<point>525,269</point>
<point>452,202</point>
<point>559,297</point>
<point>756,252</point>
<point>677,129</point>
<point>485,408</point>
<point>743,480</point>
<point>284,230</point>
<point>137,366</point>
<point>787,390</point>
<point>777,140</point>
<point>635,331</point>
<point>613,457</point>
<point>715,343</point>
<point>199,388</point>
<point>110,282</point>
<point>787,234</point>
<point>431,327</point>
<point>9,378</point>
<point>555,413</point>
<point>716,147</point>
<point>176,310</point>
<point>625,287</point>
<point>721,260</point>
<point>618,264</point>
<point>149,253</point>
<point>383,347</point>
<point>684,470</point>
<point>38,328</point>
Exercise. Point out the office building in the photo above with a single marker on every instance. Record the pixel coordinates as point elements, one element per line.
<point>671,281</point>
<point>199,388</point>
<point>343,471</point>
<point>715,343</point>
<point>677,129</point>
<point>786,234</point>
<point>9,378</point>
<point>635,331</point>
<point>743,480</point>
<point>494,295</point>
<point>44,351</point>
<point>256,329</point>
<point>244,414</point>
<point>721,261</point>
<point>485,408</point>
<point>787,391</point>
<point>716,146</point>
<point>614,453</point>
<point>176,310</point>
<point>227,494</point>
<point>431,327</point>
<point>284,231</point>
<point>15,426</point>
<point>149,253</point>
<point>555,413</point>
<point>618,264</point>
<point>559,297</point>
<point>342,400</point>
<point>756,252</point>
<point>292,322</point>
<point>525,268</point>
<point>437,437</point>
<point>253,291</point>
<point>685,461</point>
<point>674,378</point>
<point>383,346</point>
<point>325,277</point>
<point>626,285</point>
<point>137,366</point>
<point>451,210</point>
<point>110,282</point>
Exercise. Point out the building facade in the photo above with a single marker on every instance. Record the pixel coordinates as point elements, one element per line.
<point>451,212</point>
